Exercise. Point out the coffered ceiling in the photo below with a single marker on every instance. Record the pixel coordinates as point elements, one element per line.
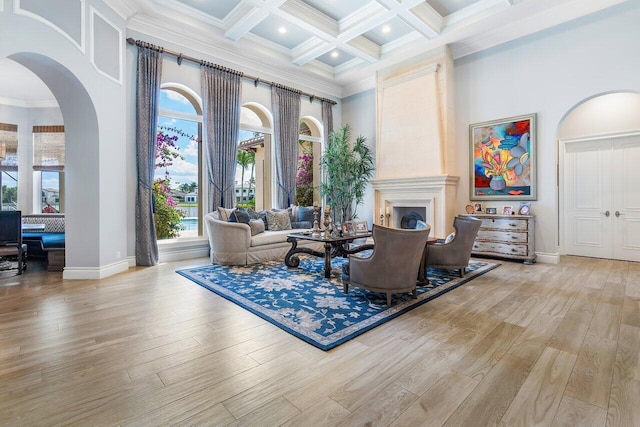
<point>334,47</point>
<point>346,41</point>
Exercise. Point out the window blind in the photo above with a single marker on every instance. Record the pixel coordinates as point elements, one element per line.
<point>48,148</point>
<point>8,147</point>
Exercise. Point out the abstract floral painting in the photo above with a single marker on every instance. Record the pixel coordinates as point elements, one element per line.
<point>503,164</point>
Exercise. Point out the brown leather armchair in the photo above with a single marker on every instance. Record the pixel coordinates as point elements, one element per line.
<point>392,266</point>
<point>455,254</point>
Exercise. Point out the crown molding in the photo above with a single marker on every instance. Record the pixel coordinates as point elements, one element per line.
<point>45,103</point>
<point>191,12</point>
<point>480,26</point>
<point>474,11</point>
<point>123,8</point>
<point>242,55</point>
<point>533,23</point>
<point>359,86</point>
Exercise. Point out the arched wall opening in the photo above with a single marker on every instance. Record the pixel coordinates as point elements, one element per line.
<point>591,122</point>
<point>81,162</point>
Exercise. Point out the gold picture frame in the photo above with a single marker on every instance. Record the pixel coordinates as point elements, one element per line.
<point>347,228</point>
<point>503,159</point>
<point>360,227</point>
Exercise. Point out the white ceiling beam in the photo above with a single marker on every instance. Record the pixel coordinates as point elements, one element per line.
<point>244,21</point>
<point>246,15</point>
<point>410,4</point>
<point>363,48</point>
<point>429,16</point>
<point>326,29</point>
<point>309,19</point>
<point>363,20</point>
<point>310,50</point>
<point>412,20</point>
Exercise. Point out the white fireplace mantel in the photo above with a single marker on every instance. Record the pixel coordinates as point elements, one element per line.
<point>436,194</point>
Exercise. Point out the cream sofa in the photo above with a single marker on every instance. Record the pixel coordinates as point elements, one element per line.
<point>232,243</point>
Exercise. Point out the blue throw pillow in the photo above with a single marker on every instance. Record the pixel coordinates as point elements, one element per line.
<point>253,214</point>
<point>239,215</point>
<point>305,213</point>
<point>263,216</point>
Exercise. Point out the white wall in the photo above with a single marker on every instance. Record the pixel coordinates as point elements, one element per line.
<point>603,115</point>
<point>91,103</point>
<point>359,111</point>
<point>548,74</point>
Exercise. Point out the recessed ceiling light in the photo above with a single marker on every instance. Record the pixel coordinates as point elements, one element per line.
<point>282,30</point>
<point>334,54</point>
<point>386,29</point>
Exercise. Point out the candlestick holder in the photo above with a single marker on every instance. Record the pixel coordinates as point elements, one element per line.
<point>316,222</point>
<point>388,215</point>
<point>381,219</point>
<point>327,223</point>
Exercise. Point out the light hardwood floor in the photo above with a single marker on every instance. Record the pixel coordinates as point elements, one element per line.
<point>555,345</point>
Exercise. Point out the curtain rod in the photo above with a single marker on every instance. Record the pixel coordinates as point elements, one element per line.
<point>180,57</point>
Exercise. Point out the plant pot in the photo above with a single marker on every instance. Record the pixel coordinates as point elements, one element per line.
<point>497,183</point>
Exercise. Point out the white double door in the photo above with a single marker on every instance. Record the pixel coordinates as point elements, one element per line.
<point>602,198</point>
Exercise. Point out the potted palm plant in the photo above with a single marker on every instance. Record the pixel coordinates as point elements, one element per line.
<point>348,168</point>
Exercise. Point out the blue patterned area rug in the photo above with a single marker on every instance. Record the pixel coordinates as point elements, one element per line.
<point>302,302</point>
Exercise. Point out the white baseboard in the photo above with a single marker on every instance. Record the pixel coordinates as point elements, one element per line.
<point>182,254</point>
<point>548,258</point>
<point>167,253</point>
<point>92,273</point>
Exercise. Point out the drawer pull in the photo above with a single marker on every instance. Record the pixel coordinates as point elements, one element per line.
<point>513,225</point>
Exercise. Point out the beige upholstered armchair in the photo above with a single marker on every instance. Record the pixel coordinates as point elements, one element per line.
<point>455,254</point>
<point>393,265</point>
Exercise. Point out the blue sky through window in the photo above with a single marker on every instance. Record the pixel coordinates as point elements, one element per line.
<point>183,171</point>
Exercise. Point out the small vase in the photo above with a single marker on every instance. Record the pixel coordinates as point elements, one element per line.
<point>497,183</point>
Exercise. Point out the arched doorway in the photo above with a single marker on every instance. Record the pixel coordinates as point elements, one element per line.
<point>81,163</point>
<point>599,152</point>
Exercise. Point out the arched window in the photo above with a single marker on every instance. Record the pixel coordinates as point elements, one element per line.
<point>309,174</point>
<point>254,171</point>
<point>178,174</point>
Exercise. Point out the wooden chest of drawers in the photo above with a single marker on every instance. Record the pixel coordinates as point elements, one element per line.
<point>506,236</point>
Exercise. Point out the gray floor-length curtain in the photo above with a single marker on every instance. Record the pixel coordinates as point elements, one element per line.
<point>149,74</point>
<point>285,104</point>
<point>221,98</point>
<point>327,119</point>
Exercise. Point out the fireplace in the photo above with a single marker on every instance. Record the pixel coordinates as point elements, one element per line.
<point>415,148</point>
<point>433,198</point>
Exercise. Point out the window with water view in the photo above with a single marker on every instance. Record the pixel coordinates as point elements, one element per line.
<point>177,174</point>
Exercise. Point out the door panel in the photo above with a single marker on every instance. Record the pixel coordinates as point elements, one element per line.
<point>588,198</point>
<point>626,198</point>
